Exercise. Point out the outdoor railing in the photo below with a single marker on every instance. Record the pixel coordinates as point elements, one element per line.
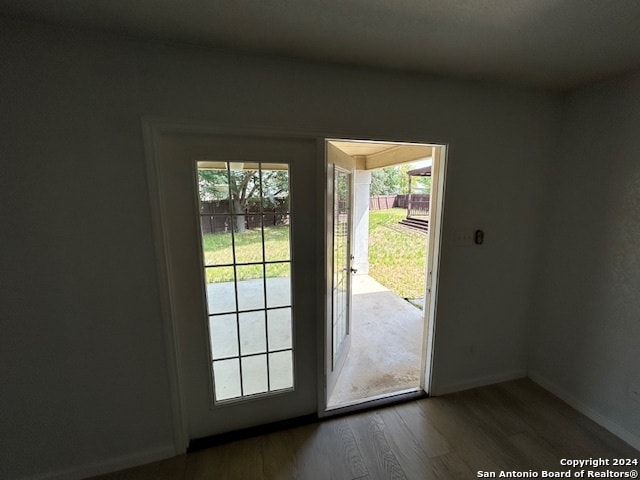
<point>417,208</point>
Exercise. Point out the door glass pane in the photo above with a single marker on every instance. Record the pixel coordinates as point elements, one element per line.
<point>341,261</point>
<point>275,189</point>
<point>254,374</point>
<point>244,225</point>
<point>278,284</point>
<point>250,287</point>
<point>279,328</point>
<point>281,370</point>
<point>249,245</point>
<point>228,374</point>
<point>219,282</point>
<point>216,240</point>
<point>224,336</point>
<point>276,237</point>
<point>252,333</point>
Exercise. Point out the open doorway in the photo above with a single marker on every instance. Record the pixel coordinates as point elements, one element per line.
<point>385,304</point>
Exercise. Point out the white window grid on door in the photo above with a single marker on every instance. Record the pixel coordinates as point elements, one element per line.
<point>250,315</point>
<point>341,215</point>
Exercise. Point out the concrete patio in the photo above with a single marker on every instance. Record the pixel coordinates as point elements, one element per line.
<point>386,340</point>
<point>386,344</point>
<point>254,336</point>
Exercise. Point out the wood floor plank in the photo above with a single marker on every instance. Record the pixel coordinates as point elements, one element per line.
<point>172,468</point>
<point>280,456</point>
<point>207,464</point>
<point>413,457</point>
<point>536,453</point>
<point>496,408</point>
<point>246,459</point>
<point>328,450</point>
<point>451,466</point>
<point>515,425</point>
<point>493,416</point>
<point>379,459</point>
<point>425,434</point>
<point>569,433</point>
<point>550,419</point>
<point>470,445</point>
<point>357,467</point>
<point>488,431</point>
<point>420,461</point>
<point>310,454</point>
<point>238,459</point>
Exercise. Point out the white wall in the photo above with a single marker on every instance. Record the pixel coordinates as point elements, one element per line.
<point>82,358</point>
<point>586,324</point>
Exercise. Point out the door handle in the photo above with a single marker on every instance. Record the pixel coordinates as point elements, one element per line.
<point>354,270</point>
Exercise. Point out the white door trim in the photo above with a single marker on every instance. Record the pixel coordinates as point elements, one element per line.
<point>151,133</point>
<point>436,211</point>
<point>434,249</point>
<point>154,132</point>
<point>153,128</point>
<point>339,161</point>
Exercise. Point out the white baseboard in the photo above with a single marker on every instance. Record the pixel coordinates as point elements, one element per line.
<point>114,464</point>
<point>601,419</point>
<point>474,382</point>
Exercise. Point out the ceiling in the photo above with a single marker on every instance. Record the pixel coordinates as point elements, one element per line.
<point>375,155</point>
<point>543,43</point>
<point>363,147</point>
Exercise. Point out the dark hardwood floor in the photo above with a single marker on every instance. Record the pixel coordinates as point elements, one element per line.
<point>505,427</point>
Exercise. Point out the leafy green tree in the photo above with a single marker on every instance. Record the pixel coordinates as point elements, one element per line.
<point>394,180</point>
<point>244,187</point>
<point>386,181</point>
<point>421,185</point>
<point>390,180</point>
<point>213,185</point>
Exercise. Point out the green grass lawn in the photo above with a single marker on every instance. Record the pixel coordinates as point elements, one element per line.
<point>218,251</point>
<point>397,255</point>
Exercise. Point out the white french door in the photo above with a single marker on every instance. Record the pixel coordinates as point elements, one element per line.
<point>340,170</point>
<point>238,228</point>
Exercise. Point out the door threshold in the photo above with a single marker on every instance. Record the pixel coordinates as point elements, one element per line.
<point>197,444</point>
<point>376,401</point>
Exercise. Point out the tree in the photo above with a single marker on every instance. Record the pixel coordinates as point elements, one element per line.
<point>394,180</point>
<point>390,180</point>
<point>243,187</point>
<point>421,185</point>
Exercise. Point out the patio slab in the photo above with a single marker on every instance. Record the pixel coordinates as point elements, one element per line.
<point>386,344</point>
<point>252,335</point>
<point>386,338</point>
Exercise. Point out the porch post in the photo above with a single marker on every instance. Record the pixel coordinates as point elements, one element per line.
<point>409,199</point>
<point>362,181</point>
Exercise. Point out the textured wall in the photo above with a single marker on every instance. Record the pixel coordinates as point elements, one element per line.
<point>586,323</point>
<point>82,356</point>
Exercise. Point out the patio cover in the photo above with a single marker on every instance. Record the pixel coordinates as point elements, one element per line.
<point>420,172</point>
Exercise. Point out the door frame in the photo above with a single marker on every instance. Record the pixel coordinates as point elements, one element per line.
<point>154,131</point>
<point>432,269</point>
<point>335,162</point>
<point>153,128</point>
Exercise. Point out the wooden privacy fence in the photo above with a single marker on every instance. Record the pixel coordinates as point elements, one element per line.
<point>216,217</point>
<point>419,202</point>
<point>416,198</point>
<point>417,205</point>
<point>382,202</point>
